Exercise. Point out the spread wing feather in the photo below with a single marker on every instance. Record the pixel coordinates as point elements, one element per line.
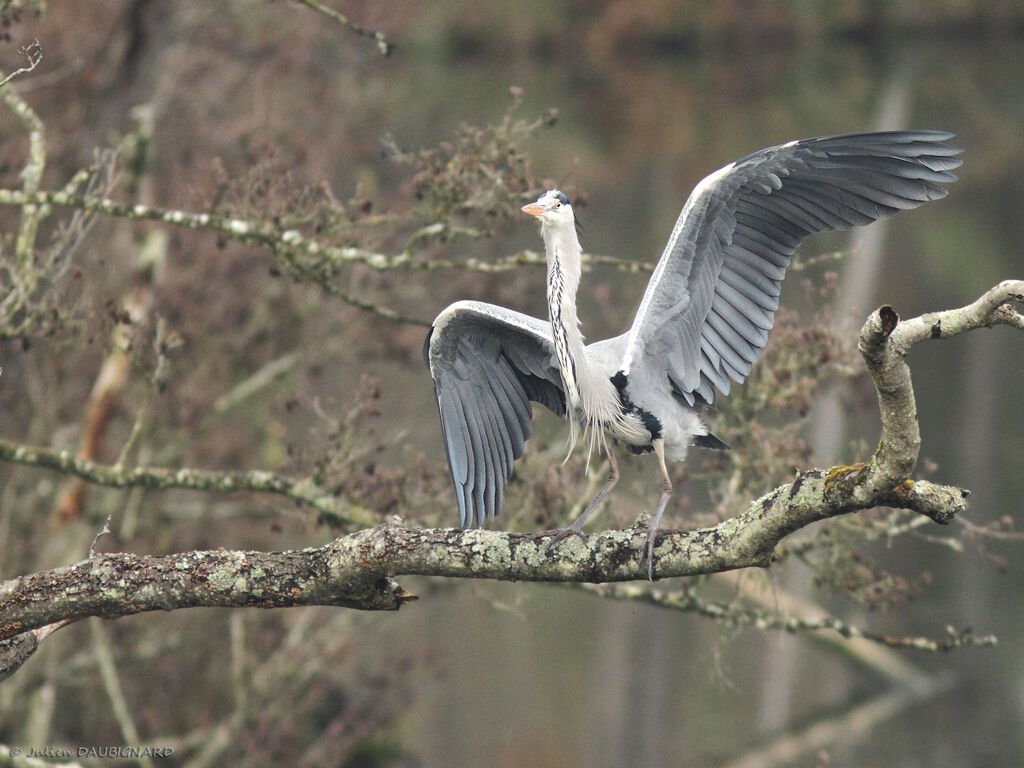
<point>707,310</point>
<point>488,363</point>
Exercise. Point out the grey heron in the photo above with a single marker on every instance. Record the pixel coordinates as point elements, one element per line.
<point>700,326</point>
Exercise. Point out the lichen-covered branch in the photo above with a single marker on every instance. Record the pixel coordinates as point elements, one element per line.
<point>31,176</point>
<point>884,343</point>
<point>305,257</point>
<point>31,277</point>
<point>773,619</point>
<point>357,570</point>
<point>122,584</point>
<point>158,478</point>
<point>292,240</point>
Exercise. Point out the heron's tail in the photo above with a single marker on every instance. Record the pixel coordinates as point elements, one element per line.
<point>711,441</point>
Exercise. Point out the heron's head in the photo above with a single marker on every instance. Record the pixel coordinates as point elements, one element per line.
<point>552,208</point>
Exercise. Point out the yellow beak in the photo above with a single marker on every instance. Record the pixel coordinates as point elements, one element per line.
<point>534,209</point>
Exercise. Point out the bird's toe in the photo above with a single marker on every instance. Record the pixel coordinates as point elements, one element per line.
<point>557,535</point>
<point>647,553</point>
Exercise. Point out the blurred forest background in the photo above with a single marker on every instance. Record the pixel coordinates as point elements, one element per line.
<point>164,346</point>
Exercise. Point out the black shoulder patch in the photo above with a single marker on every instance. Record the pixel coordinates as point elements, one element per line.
<point>649,420</point>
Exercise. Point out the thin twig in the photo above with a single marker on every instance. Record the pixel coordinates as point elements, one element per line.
<point>112,684</point>
<point>736,616</point>
<point>104,531</point>
<point>989,533</point>
<point>254,383</point>
<point>378,37</point>
<point>156,381</point>
<point>34,54</point>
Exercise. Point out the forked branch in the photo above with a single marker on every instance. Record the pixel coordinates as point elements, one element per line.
<point>33,53</point>
<point>357,570</point>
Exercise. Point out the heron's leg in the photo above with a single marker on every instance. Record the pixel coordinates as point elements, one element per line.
<point>666,494</point>
<point>576,527</point>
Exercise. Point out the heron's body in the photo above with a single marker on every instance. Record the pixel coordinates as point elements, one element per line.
<point>700,325</point>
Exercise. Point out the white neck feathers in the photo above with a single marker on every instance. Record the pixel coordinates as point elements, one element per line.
<point>593,402</point>
<point>563,257</point>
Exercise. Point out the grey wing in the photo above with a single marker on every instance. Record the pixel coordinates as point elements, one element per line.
<point>707,310</point>
<point>488,363</point>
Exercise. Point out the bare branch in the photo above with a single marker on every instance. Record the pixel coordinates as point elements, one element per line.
<point>736,616</point>
<point>32,213</point>
<point>378,37</point>
<point>34,54</point>
<point>319,262</point>
<point>254,383</point>
<point>157,478</point>
<point>108,673</point>
<point>325,260</point>
<point>30,283</point>
<point>265,234</point>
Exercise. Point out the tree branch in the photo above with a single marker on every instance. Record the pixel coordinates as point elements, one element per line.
<point>885,343</point>
<point>761,619</point>
<point>305,257</point>
<point>357,570</point>
<point>270,236</point>
<point>31,213</point>
<point>122,584</point>
<point>159,478</point>
<point>378,37</point>
<point>33,53</point>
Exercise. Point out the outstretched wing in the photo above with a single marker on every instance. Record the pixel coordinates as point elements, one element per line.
<point>711,301</point>
<point>488,363</point>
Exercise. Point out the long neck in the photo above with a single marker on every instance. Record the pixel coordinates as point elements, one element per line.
<point>593,400</point>
<point>563,257</point>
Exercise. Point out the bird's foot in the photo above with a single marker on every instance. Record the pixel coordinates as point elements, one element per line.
<point>647,552</point>
<point>557,535</point>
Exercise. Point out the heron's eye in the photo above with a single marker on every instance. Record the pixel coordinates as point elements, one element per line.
<point>558,203</point>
